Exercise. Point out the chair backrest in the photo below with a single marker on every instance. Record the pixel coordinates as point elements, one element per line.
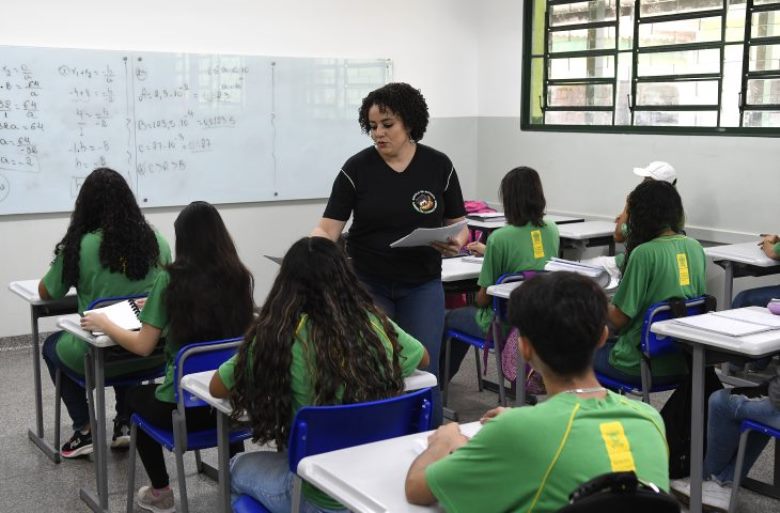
<point>199,357</point>
<point>318,429</point>
<point>619,491</point>
<point>499,304</point>
<point>655,345</point>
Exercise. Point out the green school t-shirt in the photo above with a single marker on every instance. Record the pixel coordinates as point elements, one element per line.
<point>530,459</point>
<point>515,248</point>
<point>664,268</point>
<point>776,249</point>
<point>303,387</point>
<point>97,281</point>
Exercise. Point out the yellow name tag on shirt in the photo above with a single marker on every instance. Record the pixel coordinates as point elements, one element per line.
<point>536,241</point>
<point>617,446</point>
<point>682,265</point>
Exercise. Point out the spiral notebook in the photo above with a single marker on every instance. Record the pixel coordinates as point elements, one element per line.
<point>124,314</point>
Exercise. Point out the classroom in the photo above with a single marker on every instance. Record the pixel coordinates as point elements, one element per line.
<point>466,57</point>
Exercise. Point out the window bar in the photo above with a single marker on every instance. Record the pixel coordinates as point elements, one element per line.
<point>546,70</point>
<point>724,11</point>
<point>634,60</point>
<point>745,61</point>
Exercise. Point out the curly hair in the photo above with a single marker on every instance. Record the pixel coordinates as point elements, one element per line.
<point>343,352</point>
<point>106,203</point>
<point>653,207</point>
<point>401,99</point>
<point>209,296</point>
<point>523,197</point>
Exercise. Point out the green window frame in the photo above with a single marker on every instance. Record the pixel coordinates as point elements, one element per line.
<point>703,67</point>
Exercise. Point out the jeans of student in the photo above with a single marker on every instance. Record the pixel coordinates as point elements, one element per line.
<point>726,413</point>
<point>419,311</point>
<point>73,395</point>
<point>266,477</point>
<point>602,366</point>
<point>464,320</point>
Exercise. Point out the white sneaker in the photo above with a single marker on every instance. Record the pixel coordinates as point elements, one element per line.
<point>714,497</point>
<point>155,501</point>
<point>681,488</point>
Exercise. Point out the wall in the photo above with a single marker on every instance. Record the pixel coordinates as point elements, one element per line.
<point>432,45</point>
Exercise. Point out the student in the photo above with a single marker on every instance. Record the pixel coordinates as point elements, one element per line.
<point>205,294</point>
<point>319,340</point>
<point>770,245</point>
<point>108,250</point>
<point>727,409</point>
<point>661,263</point>
<point>526,243</point>
<point>656,170</point>
<point>532,458</point>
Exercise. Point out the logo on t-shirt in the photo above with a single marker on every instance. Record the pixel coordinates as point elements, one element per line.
<point>424,202</point>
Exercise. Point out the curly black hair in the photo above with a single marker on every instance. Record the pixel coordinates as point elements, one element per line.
<point>653,207</point>
<point>106,203</point>
<point>401,99</point>
<point>345,357</point>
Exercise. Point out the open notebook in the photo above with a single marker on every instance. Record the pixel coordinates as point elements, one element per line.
<point>124,314</point>
<point>736,323</point>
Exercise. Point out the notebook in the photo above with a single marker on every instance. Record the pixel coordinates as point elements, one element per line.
<point>760,317</point>
<point>124,314</point>
<point>724,325</point>
<point>596,273</point>
<point>486,216</point>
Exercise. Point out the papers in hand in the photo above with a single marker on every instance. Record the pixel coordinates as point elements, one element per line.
<point>736,323</point>
<point>426,236</point>
<point>596,273</point>
<point>124,314</point>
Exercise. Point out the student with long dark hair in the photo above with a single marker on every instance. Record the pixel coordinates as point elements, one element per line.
<point>318,340</point>
<point>108,250</point>
<point>205,294</point>
<point>661,263</point>
<point>526,243</point>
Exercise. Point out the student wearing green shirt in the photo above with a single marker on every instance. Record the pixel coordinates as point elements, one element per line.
<point>319,339</point>
<point>108,250</point>
<point>530,459</point>
<point>205,294</point>
<point>770,245</point>
<point>526,243</point>
<point>661,264</point>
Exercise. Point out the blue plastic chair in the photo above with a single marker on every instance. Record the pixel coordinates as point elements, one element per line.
<point>86,382</point>
<point>653,345</point>
<point>192,358</point>
<point>318,429</point>
<point>499,310</point>
<point>746,428</point>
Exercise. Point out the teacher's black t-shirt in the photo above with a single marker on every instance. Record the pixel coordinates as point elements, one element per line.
<point>388,205</point>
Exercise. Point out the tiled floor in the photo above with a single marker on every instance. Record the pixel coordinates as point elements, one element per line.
<point>29,482</point>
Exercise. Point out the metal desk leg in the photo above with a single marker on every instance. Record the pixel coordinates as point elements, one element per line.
<point>37,436</point>
<point>697,427</point>
<point>496,327</point>
<point>728,284</point>
<point>223,451</point>
<point>97,371</point>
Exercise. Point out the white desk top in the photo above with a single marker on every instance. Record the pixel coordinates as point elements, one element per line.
<point>586,230</point>
<point>455,269</point>
<point>197,384</point>
<point>28,290</point>
<point>72,324</point>
<point>504,290</point>
<point>370,478</point>
<point>759,344</point>
<point>493,225</point>
<point>745,253</point>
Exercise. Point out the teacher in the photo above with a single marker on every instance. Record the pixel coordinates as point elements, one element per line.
<point>392,188</point>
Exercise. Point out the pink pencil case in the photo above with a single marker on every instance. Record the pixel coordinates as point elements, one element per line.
<point>774,306</point>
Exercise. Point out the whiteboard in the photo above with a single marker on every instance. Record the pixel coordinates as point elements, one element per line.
<point>180,127</point>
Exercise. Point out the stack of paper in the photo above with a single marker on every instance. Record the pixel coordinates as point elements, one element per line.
<point>427,236</point>
<point>595,272</point>
<point>486,216</point>
<point>736,323</point>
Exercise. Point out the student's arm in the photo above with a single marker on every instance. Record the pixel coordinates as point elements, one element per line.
<point>217,387</point>
<point>441,443</point>
<point>617,318</point>
<point>329,228</point>
<point>769,244</point>
<point>43,292</point>
<point>621,220</point>
<point>140,342</point>
<point>425,360</point>
<point>482,298</point>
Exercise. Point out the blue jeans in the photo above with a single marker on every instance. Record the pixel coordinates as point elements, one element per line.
<point>73,395</point>
<point>602,366</point>
<point>462,319</point>
<point>419,311</point>
<point>726,413</point>
<point>756,297</point>
<point>266,477</point>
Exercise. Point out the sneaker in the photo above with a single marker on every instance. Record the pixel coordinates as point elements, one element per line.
<point>714,497</point>
<point>80,444</point>
<point>157,501</point>
<point>121,437</point>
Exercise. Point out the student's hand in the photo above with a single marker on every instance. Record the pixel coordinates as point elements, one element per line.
<point>95,322</point>
<point>447,438</point>
<point>476,248</point>
<point>447,249</point>
<point>769,238</point>
<point>140,302</point>
<point>491,414</point>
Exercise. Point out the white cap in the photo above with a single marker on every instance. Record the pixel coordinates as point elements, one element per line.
<point>658,170</point>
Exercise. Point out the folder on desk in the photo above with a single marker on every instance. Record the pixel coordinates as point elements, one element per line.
<point>723,325</point>
<point>124,314</point>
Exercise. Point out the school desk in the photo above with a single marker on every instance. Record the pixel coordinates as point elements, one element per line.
<point>588,234</point>
<point>28,290</point>
<point>701,342</point>
<point>198,385</point>
<point>370,478</point>
<point>737,260</point>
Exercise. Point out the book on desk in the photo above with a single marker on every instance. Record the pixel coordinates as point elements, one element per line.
<point>124,314</point>
<point>738,322</point>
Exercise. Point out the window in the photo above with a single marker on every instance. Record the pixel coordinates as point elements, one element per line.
<point>692,66</point>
